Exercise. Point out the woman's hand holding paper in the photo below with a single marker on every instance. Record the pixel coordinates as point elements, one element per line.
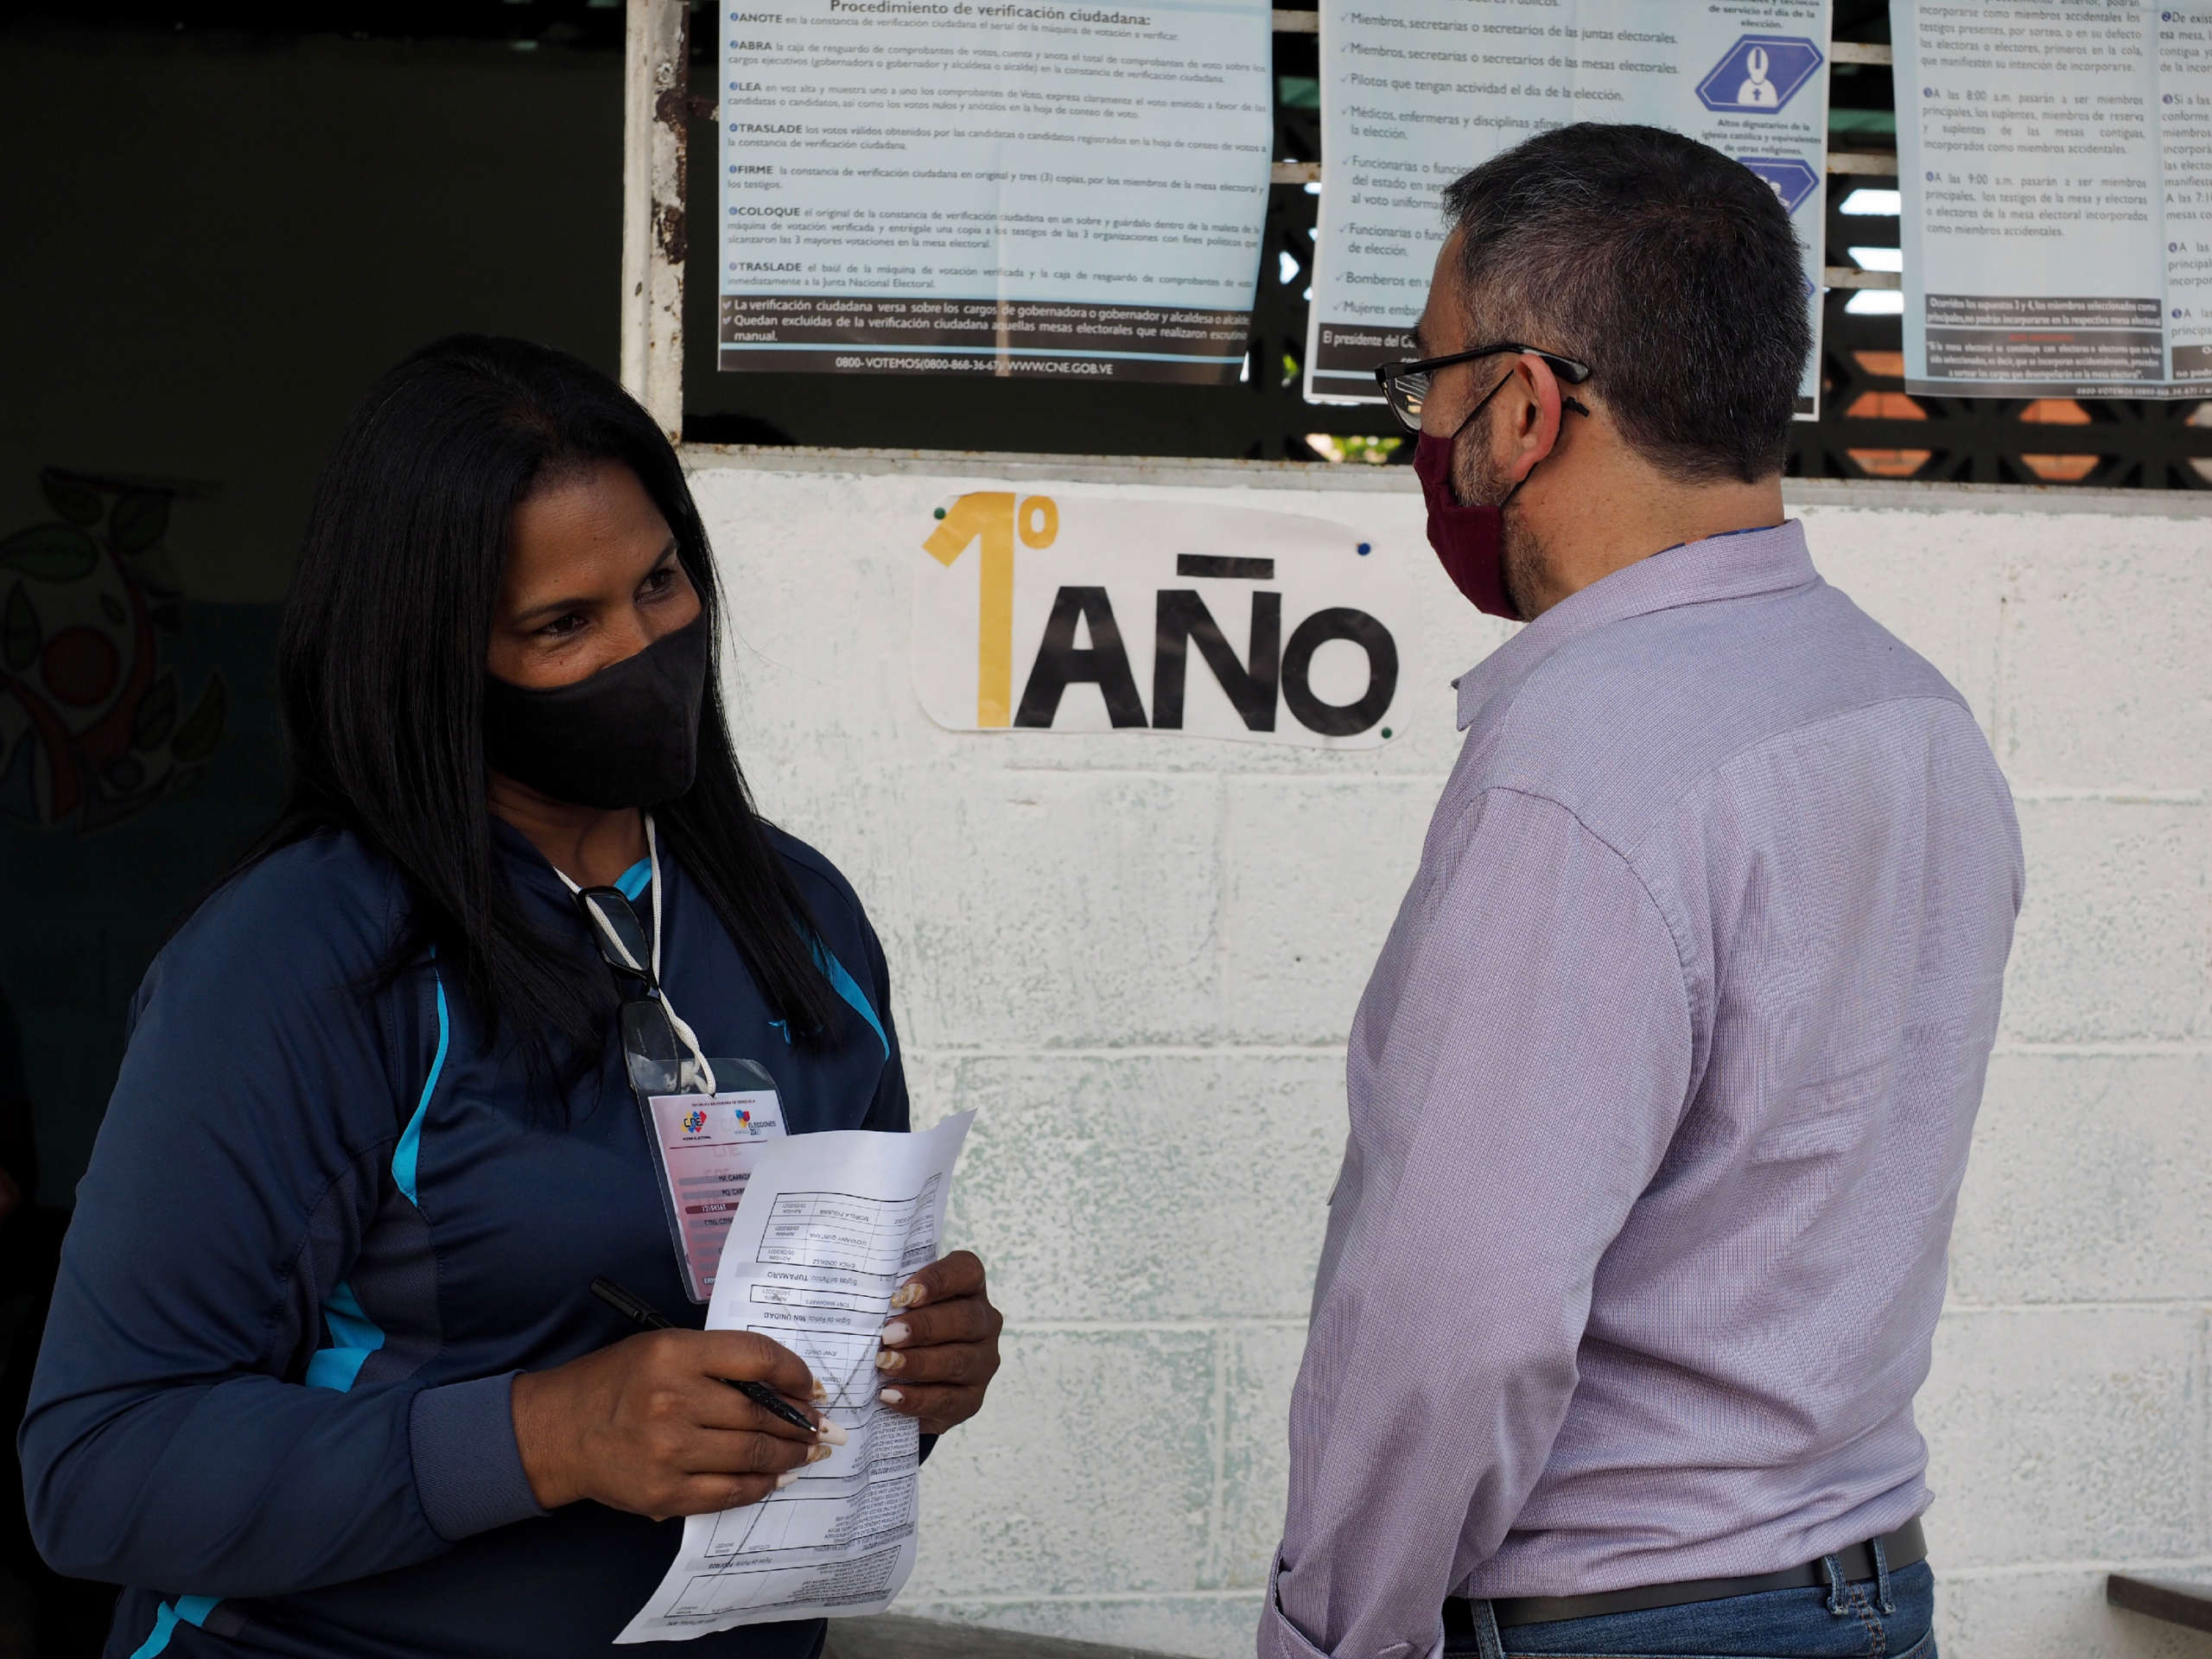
<point>941,1345</point>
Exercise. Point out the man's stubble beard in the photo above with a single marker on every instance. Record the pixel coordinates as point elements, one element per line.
<point>1478,483</point>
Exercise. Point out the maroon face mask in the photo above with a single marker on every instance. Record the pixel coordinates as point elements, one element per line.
<point>1470,542</point>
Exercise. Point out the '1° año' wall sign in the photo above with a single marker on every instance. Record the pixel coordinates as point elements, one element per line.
<point>1074,614</point>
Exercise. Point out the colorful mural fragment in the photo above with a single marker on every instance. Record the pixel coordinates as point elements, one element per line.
<point>94,728</point>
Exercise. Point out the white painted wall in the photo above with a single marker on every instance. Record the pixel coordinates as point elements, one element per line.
<point>1137,956</point>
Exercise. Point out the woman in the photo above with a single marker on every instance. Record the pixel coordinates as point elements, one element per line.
<point>323,1374</point>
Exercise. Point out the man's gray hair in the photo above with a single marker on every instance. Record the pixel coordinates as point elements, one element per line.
<point>1669,269</point>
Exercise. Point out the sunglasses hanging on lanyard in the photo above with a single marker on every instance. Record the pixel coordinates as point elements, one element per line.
<point>704,1119</point>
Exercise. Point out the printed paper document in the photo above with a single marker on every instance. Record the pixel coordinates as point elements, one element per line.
<point>923,187</point>
<point>1414,93</point>
<point>2056,162</point>
<point>830,1227</point>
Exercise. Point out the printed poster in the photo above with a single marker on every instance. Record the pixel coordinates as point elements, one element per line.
<point>943,186</point>
<point>2056,162</point>
<point>1415,92</point>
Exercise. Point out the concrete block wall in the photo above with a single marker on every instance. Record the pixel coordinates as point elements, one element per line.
<point>1136,957</point>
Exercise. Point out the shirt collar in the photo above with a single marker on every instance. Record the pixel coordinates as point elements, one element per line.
<point>1733,565</point>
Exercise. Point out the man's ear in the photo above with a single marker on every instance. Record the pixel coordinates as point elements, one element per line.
<point>1531,421</point>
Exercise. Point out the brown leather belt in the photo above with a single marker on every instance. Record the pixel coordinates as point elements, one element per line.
<point>1900,1550</point>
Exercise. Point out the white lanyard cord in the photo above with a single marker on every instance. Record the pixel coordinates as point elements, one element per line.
<point>683,1030</point>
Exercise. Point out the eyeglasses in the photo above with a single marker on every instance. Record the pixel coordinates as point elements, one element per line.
<point>1405,384</point>
<point>658,1063</point>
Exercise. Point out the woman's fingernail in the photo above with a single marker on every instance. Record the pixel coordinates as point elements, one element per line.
<point>820,1393</point>
<point>817,1453</point>
<point>906,1295</point>
<point>831,1432</point>
<point>889,1359</point>
<point>896,1333</point>
<point>890,1397</point>
<point>786,1478</point>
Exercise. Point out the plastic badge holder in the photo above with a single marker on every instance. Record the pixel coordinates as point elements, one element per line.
<point>703,1148</point>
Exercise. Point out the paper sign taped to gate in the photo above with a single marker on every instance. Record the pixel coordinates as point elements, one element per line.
<point>1050,611</point>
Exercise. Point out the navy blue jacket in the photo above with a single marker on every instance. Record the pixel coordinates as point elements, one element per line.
<point>322,1229</point>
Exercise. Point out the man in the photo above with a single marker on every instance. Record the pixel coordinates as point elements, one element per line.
<point>1661,1091</point>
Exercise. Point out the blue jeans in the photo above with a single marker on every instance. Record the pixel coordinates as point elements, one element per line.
<point>1773,1624</point>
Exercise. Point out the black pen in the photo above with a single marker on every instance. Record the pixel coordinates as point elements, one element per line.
<point>759,1393</point>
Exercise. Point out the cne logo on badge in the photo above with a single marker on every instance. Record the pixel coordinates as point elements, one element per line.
<point>1077,614</point>
<point>1760,74</point>
<point>704,1147</point>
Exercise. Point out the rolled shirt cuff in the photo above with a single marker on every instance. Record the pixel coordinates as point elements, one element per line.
<point>1281,1638</point>
<point>468,1473</point>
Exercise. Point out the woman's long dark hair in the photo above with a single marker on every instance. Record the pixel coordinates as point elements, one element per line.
<point>380,669</point>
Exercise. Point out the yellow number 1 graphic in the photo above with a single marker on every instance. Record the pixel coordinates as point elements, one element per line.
<point>990,515</point>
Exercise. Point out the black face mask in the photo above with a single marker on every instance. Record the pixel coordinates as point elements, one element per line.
<point>626,736</point>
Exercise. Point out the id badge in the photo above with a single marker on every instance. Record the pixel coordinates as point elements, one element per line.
<point>703,1149</point>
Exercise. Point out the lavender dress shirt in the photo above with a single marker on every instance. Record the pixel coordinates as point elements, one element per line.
<point>1660,1098</point>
